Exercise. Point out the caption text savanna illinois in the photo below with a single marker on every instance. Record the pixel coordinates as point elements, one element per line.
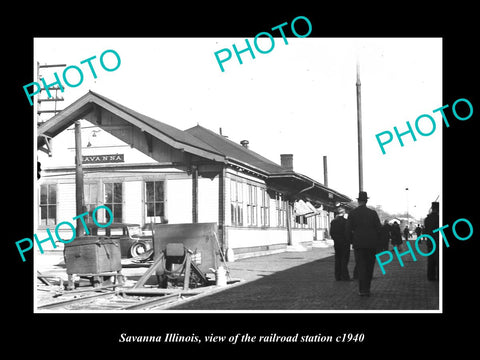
<point>242,338</point>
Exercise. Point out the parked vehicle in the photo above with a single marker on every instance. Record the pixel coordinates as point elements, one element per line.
<point>131,240</point>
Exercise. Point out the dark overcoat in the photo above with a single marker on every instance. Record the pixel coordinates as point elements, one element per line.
<point>396,235</point>
<point>363,228</point>
<point>337,230</point>
<point>432,223</point>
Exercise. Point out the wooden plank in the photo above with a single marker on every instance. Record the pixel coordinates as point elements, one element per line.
<point>152,302</point>
<point>160,291</point>
<point>149,291</point>
<point>186,278</point>
<point>43,278</point>
<point>71,301</point>
<point>149,272</point>
<point>99,288</point>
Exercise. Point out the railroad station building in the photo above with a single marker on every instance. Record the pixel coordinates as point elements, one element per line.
<point>147,172</point>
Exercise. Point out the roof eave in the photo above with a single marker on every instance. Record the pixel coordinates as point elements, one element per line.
<point>84,105</point>
<point>311,183</point>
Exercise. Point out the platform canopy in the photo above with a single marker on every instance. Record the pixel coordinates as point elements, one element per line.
<point>300,187</point>
<point>296,186</point>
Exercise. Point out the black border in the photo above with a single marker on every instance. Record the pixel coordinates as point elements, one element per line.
<point>74,332</point>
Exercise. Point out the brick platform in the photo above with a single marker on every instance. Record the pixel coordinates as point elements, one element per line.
<point>305,281</point>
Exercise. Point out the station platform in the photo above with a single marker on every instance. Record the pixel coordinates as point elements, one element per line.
<point>299,280</point>
<point>304,280</point>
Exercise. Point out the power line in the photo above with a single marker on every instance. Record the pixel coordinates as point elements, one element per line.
<point>56,98</point>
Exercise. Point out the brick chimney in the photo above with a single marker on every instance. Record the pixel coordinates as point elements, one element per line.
<point>286,161</point>
<point>325,171</point>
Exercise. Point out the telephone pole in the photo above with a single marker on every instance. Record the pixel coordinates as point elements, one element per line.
<point>359,128</point>
<point>54,99</point>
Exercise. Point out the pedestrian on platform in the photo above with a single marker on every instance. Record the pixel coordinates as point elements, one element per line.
<point>431,223</point>
<point>418,232</point>
<point>396,236</point>
<point>406,233</point>
<point>363,230</point>
<point>341,246</point>
<point>385,236</point>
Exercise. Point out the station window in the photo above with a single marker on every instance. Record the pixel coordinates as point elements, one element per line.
<point>90,192</point>
<point>301,221</point>
<point>155,201</point>
<point>264,208</point>
<point>113,199</point>
<point>281,210</point>
<point>236,202</point>
<point>48,204</point>
<point>252,205</point>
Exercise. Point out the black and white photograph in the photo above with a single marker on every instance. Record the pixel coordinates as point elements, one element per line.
<point>217,190</point>
<point>272,182</point>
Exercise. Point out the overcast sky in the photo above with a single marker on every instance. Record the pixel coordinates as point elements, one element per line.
<point>300,98</point>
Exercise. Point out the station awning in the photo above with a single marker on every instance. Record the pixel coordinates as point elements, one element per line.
<point>300,187</point>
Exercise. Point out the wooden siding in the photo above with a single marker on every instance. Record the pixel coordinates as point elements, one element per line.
<point>208,200</point>
<point>179,201</point>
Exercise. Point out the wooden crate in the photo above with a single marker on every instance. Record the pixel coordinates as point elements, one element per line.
<point>92,255</point>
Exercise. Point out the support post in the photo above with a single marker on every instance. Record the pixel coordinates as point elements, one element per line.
<point>79,201</point>
<point>186,278</point>
<point>289,224</point>
<point>194,194</point>
<point>221,211</point>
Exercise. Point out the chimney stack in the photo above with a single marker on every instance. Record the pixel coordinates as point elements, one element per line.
<point>244,143</point>
<point>325,171</point>
<point>286,161</point>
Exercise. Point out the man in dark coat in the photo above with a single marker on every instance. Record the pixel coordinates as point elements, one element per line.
<point>385,236</point>
<point>431,223</point>
<point>418,232</point>
<point>396,236</point>
<point>363,228</point>
<point>406,233</point>
<point>341,246</point>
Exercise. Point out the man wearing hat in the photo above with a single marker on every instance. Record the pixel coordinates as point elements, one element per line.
<point>363,231</point>
<point>432,223</point>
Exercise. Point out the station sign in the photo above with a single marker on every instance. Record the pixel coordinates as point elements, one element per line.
<point>100,159</point>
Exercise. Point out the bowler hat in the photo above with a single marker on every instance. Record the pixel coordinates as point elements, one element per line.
<point>362,196</point>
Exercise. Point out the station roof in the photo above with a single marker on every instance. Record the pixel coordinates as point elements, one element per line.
<point>296,184</point>
<point>198,141</point>
<point>172,136</point>
<point>235,153</point>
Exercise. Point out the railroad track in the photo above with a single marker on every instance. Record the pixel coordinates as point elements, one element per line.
<point>126,298</point>
<point>111,300</point>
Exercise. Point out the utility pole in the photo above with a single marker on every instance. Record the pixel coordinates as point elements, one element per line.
<point>54,99</point>
<point>359,128</point>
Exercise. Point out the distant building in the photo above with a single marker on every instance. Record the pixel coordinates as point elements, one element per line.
<point>393,220</point>
<point>146,172</point>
